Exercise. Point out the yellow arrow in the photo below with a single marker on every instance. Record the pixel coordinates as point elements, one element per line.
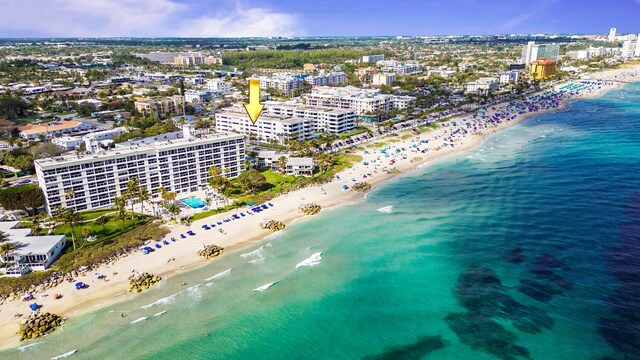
<point>254,108</point>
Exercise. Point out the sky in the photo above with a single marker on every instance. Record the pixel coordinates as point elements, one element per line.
<point>234,18</point>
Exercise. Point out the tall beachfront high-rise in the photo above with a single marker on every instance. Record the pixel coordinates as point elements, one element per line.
<point>532,52</point>
<point>612,34</point>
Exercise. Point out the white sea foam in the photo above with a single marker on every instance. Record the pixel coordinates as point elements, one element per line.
<point>386,209</point>
<point>219,275</point>
<point>138,320</point>
<point>65,355</point>
<point>165,300</point>
<point>264,287</point>
<point>312,260</point>
<point>254,253</point>
<point>26,347</point>
<point>160,313</point>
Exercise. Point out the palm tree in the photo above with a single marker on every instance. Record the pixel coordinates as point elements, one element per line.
<point>5,249</point>
<point>281,164</point>
<point>143,195</point>
<point>174,210</point>
<point>121,205</point>
<point>69,216</point>
<point>208,201</point>
<point>86,232</point>
<point>70,195</point>
<point>133,188</point>
<point>4,237</point>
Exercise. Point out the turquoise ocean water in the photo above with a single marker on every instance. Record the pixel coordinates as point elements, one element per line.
<point>526,248</point>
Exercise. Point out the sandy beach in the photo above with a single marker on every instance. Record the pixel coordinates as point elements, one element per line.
<point>405,152</point>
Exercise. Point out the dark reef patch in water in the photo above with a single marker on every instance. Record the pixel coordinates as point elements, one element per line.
<point>481,292</point>
<point>482,333</point>
<point>547,282</point>
<point>515,256</point>
<point>622,328</point>
<point>415,351</point>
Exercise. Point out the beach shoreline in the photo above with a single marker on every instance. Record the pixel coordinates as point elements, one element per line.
<point>239,236</point>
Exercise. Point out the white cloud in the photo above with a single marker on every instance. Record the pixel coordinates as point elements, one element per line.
<point>243,22</point>
<point>100,18</point>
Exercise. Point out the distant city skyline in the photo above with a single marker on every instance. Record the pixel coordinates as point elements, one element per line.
<point>231,18</point>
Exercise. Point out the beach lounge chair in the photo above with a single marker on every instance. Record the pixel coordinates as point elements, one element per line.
<point>213,225</point>
<point>165,242</point>
<point>219,223</point>
<point>173,239</point>
<point>270,204</point>
<point>182,236</point>
<point>158,246</point>
<point>242,214</point>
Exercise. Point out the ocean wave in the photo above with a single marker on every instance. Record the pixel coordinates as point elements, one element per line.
<point>219,275</point>
<point>256,261</point>
<point>194,291</point>
<point>386,209</point>
<point>139,320</point>
<point>26,347</point>
<point>160,313</point>
<point>264,287</point>
<point>165,300</point>
<point>254,253</point>
<point>65,355</point>
<point>312,260</point>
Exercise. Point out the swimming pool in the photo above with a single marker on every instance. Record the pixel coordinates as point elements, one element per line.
<point>194,202</point>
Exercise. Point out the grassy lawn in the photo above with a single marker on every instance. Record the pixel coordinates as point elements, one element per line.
<point>111,229</point>
<point>277,178</point>
<point>357,131</point>
<point>94,214</point>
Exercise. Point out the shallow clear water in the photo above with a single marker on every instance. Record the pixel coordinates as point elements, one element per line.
<point>525,248</point>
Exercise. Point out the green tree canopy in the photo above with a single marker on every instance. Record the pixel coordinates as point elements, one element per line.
<point>22,197</point>
<point>250,180</point>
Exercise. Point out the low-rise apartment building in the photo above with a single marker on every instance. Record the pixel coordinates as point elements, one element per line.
<point>268,127</point>
<point>31,253</point>
<point>363,101</point>
<point>34,131</point>
<point>218,86</point>
<point>284,82</point>
<point>507,77</point>
<point>178,164</point>
<point>482,86</point>
<point>160,108</point>
<point>384,79</point>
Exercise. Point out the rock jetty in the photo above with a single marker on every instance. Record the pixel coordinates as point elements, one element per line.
<point>142,281</point>
<point>361,186</point>
<point>38,324</point>
<point>309,209</point>
<point>210,251</point>
<point>273,225</point>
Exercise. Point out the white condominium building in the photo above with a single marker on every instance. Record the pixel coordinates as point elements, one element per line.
<point>325,119</point>
<point>612,34</point>
<point>326,79</point>
<point>372,58</point>
<point>383,79</point>
<point>281,121</point>
<point>180,165</point>
<point>363,101</point>
<point>195,96</point>
<point>218,86</point>
<point>482,86</point>
<point>160,107</point>
<point>284,82</point>
<point>267,128</point>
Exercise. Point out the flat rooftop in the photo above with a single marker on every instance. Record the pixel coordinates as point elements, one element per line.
<point>158,142</point>
<point>263,117</point>
<point>28,245</point>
